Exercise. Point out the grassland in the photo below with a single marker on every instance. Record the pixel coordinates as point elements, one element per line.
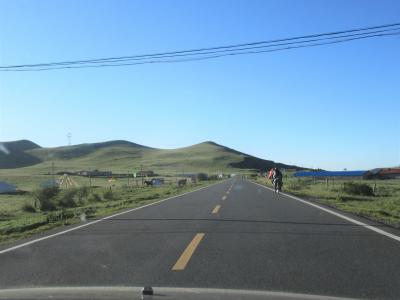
<point>16,223</point>
<point>383,206</point>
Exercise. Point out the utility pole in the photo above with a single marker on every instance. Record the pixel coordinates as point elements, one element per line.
<point>69,135</point>
<point>90,178</point>
<point>52,174</point>
<point>141,173</point>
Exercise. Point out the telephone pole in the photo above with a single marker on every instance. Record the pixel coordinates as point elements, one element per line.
<point>69,135</point>
<point>52,174</point>
<point>141,173</point>
<point>90,178</point>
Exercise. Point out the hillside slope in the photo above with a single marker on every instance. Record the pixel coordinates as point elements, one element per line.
<point>124,156</point>
<point>15,155</point>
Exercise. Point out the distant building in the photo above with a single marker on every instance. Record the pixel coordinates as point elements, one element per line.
<point>157,181</point>
<point>7,188</point>
<point>378,173</point>
<point>324,174</point>
<point>383,173</point>
<point>148,173</point>
<point>95,173</point>
<point>191,176</point>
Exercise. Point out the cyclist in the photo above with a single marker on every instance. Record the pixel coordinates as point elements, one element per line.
<point>277,180</point>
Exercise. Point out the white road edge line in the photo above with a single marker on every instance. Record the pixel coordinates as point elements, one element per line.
<point>102,219</point>
<point>370,227</point>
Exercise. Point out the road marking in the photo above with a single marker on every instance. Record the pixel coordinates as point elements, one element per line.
<point>187,254</point>
<point>366,226</point>
<point>227,192</point>
<point>216,209</point>
<point>223,197</point>
<point>102,219</point>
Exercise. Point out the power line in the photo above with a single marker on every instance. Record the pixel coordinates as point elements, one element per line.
<point>212,48</point>
<point>201,58</point>
<point>369,34</point>
<point>216,52</point>
<point>134,58</point>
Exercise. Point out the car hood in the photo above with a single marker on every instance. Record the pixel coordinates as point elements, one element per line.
<point>164,293</point>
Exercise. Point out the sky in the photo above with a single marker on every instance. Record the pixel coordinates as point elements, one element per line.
<point>330,107</point>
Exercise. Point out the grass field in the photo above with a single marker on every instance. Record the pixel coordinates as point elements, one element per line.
<point>383,206</point>
<point>16,223</point>
<point>31,182</point>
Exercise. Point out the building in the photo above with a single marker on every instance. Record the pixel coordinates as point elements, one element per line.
<point>325,174</point>
<point>148,173</point>
<point>95,173</point>
<point>378,173</point>
<point>157,181</point>
<point>383,173</point>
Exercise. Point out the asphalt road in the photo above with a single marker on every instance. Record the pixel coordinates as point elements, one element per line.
<point>249,238</point>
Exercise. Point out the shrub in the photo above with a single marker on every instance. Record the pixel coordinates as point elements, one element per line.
<point>45,198</point>
<point>340,198</point>
<point>383,191</point>
<point>108,195</point>
<point>67,198</point>
<point>90,211</point>
<point>94,198</point>
<point>27,207</point>
<point>82,192</point>
<point>354,188</point>
<point>47,205</point>
<point>202,176</point>
<point>59,216</point>
<point>213,177</point>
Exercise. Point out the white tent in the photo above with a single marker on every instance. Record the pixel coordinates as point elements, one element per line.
<point>6,187</point>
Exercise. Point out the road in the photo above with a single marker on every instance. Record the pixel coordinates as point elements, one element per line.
<point>234,234</point>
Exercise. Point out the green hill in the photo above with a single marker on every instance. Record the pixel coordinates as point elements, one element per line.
<point>15,154</point>
<point>124,156</point>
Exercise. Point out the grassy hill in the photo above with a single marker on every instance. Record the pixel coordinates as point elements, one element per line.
<point>124,156</point>
<point>15,154</point>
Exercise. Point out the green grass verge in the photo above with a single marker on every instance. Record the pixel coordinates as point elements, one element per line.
<point>16,224</point>
<point>383,207</point>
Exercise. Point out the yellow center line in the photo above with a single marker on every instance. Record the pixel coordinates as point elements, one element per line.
<point>216,209</point>
<point>223,197</point>
<point>187,254</point>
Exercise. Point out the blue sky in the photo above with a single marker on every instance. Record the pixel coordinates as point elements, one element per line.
<point>331,107</point>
